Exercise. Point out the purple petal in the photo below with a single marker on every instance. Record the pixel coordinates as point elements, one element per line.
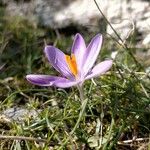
<point>100,69</point>
<point>79,48</point>
<point>41,80</point>
<point>58,61</point>
<point>92,52</point>
<point>65,83</point>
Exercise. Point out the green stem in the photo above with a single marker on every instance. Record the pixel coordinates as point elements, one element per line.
<point>83,106</point>
<point>81,92</point>
<point>80,116</point>
<point>110,133</point>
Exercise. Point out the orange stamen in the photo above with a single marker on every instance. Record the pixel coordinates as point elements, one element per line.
<point>71,61</point>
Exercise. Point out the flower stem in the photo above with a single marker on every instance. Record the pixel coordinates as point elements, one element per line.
<point>83,106</point>
<point>81,92</point>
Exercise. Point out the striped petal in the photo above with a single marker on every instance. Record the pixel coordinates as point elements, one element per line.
<point>79,49</point>
<point>65,83</point>
<point>41,80</point>
<point>58,61</point>
<point>92,52</point>
<point>100,69</point>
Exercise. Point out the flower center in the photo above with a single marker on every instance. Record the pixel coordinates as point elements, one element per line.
<point>71,61</point>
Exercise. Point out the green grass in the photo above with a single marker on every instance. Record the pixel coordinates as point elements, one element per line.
<point>118,103</point>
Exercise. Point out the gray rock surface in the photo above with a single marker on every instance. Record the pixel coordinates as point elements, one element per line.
<point>125,15</point>
<point>19,114</point>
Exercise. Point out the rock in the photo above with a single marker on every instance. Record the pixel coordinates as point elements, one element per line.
<point>128,16</point>
<point>125,15</point>
<point>19,114</point>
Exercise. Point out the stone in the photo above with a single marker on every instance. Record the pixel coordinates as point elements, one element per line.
<point>126,16</point>
<point>18,114</point>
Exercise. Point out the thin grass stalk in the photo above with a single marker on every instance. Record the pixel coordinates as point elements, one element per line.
<point>123,44</point>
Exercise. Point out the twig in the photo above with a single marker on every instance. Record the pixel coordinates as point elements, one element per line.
<point>133,140</point>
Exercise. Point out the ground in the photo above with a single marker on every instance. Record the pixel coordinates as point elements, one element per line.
<point>117,114</point>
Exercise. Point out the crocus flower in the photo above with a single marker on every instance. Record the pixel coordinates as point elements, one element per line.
<point>74,68</point>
